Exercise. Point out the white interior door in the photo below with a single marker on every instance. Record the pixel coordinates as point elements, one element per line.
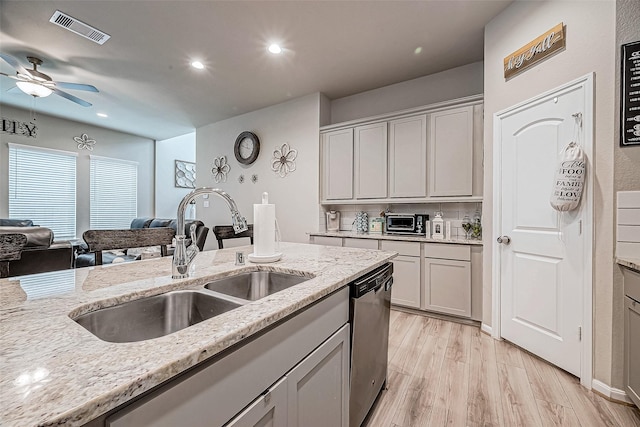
<point>542,267</point>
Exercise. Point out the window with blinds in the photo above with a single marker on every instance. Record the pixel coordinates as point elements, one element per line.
<point>114,193</point>
<point>42,188</point>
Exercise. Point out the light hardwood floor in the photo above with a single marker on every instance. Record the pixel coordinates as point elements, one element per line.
<point>445,373</point>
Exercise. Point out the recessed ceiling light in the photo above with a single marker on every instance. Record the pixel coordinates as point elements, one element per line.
<point>418,50</point>
<point>198,65</point>
<point>101,115</point>
<point>275,48</point>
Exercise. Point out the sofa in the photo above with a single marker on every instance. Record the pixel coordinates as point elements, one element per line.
<point>41,253</point>
<point>86,259</point>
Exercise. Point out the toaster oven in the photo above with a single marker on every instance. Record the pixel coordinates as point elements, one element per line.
<point>398,223</point>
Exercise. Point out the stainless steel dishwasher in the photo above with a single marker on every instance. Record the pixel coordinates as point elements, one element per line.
<point>369,315</point>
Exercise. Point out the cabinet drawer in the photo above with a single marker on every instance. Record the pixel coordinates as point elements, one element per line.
<point>447,251</point>
<point>327,241</point>
<point>361,243</point>
<point>403,248</point>
<point>631,283</point>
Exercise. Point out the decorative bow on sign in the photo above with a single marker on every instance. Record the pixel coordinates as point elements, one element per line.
<point>84,142</point>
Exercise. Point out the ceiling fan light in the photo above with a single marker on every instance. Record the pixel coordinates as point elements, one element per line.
<point>34,89</point>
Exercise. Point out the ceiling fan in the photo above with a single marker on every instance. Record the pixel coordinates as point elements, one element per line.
<point>37,84</point>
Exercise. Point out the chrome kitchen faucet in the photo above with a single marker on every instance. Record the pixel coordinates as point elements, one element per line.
<point>183,256</point>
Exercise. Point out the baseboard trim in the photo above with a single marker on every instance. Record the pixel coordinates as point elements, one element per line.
<point>610,393</point>
<point>486,329</point>
<point>440,316</point>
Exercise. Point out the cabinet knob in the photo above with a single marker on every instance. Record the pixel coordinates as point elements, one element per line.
<point>504,239</point>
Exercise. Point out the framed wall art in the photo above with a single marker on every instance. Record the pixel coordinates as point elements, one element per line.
<point>185,174</point>
<point>630,95</point>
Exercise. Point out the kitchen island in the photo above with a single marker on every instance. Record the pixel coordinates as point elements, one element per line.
<point>55,372</point>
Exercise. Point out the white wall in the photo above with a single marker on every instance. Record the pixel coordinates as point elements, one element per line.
<point>590,47</point>
<point>450,84</point>
<point>58,134</point>
<point>296,196</point>
<point>167,152</point>
<point>627,159</point>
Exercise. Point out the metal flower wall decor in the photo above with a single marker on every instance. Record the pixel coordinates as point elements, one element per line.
<point>284,160</point>
<point>220,169</point>
<point>84,142</point>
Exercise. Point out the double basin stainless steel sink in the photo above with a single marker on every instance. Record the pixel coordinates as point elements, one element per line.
<point>163,314</point>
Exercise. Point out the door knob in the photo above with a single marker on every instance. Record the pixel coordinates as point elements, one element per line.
<point>504,239</point>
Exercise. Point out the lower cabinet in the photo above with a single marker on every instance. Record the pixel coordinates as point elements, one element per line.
<point>632,334</point>
<point>318,388</point>
<point>406,273</point>
<point>632,349</point>
<point>447,280</point>
<point>442,277</point>
<point>314,393</point>
<point>295,374</point>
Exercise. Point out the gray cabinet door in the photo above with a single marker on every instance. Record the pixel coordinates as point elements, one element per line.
<point>447,286</point>
<point>632,349</point>
<point>337,164</point>
<point>318,388</point>
<point>371,161</point>
<point>268,410</point>
<point>451,152</point>
<point>406,281</point>
<point>408,157</point>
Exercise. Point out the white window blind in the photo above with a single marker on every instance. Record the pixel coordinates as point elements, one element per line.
<point>114,193</point>
<point>42,188</point>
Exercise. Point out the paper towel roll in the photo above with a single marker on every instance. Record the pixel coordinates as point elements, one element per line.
<point>264,230</point>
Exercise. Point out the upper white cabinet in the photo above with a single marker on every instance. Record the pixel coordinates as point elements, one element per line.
<point>451,152</point>
<point>371,161</point>
<point>337,164</point>
<point>408,157</point>
<point>427,154</point>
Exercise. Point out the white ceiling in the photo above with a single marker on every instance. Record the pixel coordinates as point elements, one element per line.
<point>148,88</point>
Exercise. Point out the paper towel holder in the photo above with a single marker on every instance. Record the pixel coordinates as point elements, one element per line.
<point>253,257</point>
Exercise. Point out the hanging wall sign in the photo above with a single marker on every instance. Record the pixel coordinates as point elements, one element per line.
<point>535,51</point>
<point>630,95</point>
<point>16,127</point>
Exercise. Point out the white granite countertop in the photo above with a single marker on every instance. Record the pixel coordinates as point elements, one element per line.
<point>632,263</point>
<point>398,237</point>
<point>54,372</point>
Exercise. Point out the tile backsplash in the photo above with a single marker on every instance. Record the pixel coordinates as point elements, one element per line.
<point>628,225</point>
<point>453,212</point>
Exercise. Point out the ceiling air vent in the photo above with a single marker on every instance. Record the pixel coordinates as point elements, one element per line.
<point>79,27</point>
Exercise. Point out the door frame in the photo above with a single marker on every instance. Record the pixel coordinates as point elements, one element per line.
<point>587,82</point>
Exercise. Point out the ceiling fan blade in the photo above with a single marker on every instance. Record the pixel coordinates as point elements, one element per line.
<point>10,76</point>
<point>76,86</point>
<point>71,97</point>
<point>15,64</point>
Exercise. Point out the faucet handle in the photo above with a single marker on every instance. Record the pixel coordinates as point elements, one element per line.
<point>192,233</point>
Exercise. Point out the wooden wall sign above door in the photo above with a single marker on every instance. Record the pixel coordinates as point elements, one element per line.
<point>534,51</point>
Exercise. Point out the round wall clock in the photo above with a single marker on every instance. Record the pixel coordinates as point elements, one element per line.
<point>247,148</point>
